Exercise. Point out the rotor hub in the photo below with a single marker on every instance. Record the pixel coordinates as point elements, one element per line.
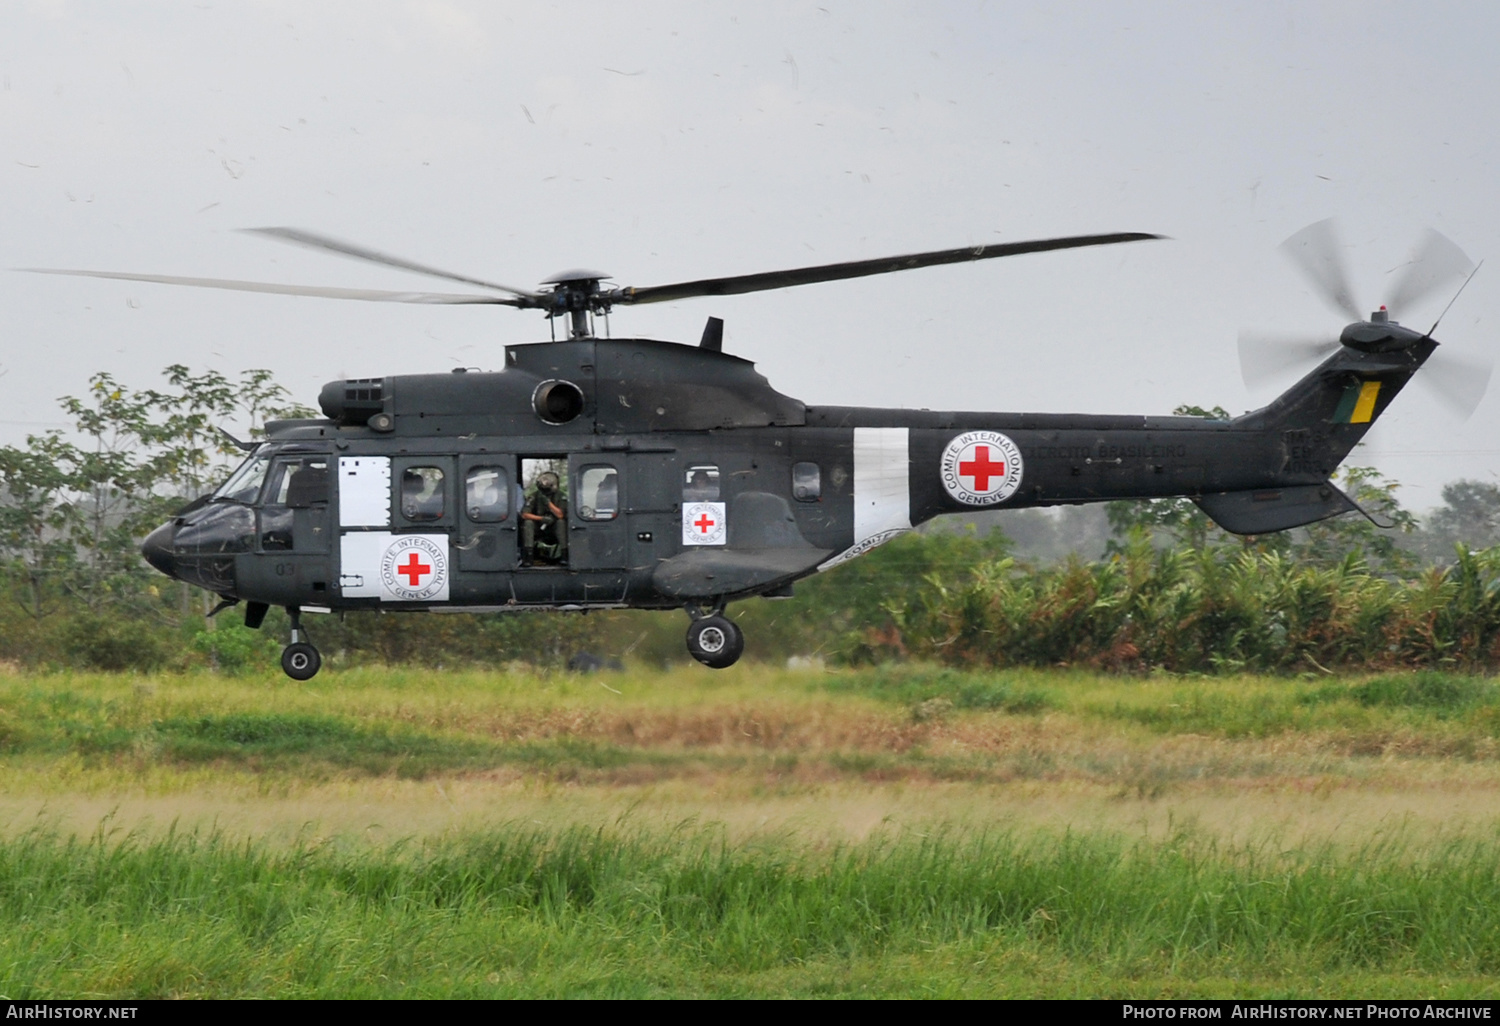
<point>577,294</point>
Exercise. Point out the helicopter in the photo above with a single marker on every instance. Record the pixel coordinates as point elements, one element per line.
<point>673,476</point>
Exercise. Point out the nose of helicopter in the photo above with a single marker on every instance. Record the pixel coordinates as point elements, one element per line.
<point>157,548</point>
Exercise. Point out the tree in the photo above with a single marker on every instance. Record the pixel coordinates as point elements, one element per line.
<point>37,520</point>
<point>118,466</point>
<point>141,456</point>
<point>1470,514</point>
<point>1332,541</point>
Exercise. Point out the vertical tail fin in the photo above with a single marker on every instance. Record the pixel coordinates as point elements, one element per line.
<point>1316,423</point>
<point>1324,415</point>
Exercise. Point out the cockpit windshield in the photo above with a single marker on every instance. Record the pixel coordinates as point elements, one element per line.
<point>244,484</point>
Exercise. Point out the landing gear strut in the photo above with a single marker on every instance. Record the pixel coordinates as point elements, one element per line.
<point>714,640</point>
<point>300,659</point>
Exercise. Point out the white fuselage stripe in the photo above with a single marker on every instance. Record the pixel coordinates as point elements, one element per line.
<point>882,499</point>
<point>882,492</point>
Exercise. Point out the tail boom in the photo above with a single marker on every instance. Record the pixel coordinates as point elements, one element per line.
<point>1267,470</point>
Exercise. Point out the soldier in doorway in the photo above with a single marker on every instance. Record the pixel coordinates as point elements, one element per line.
<point>544,523</point>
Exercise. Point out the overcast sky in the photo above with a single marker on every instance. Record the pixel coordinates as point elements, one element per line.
<point>668,141</point>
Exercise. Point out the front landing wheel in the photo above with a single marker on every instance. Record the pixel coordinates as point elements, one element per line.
<point>715,641</point>
<point>300,660</point>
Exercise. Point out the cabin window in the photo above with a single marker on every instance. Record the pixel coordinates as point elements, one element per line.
<point>598,493</point>
<point>807,482</point>
<point>422,493</point>
<point>701,483</point>
<point>487,495</point>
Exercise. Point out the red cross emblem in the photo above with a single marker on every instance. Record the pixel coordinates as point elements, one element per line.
<point>414,569</point>
<point>981,469</point>
<point>703,523</point>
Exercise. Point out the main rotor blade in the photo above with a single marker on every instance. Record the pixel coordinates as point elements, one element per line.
<point>1268,356</point>
<point>1435,261</point>
<point>377,295</point>
<point>1315,249</point>
<point>733,286</point>
<point>313,240</point>
<point>1459,381</point>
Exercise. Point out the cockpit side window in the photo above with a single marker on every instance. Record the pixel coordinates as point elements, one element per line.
<point>701,483</point>
<point>244,484</point>
<point>298,482</point>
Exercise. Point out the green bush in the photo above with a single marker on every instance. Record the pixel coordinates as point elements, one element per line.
<point>233,648</point>
<point>1214,610</point>
<point>112,643</point>
<point>956,599</point>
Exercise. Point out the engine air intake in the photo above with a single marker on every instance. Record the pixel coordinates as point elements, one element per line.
<point>557,402</point>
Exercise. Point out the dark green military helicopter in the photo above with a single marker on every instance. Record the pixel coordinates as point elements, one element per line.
<point>674,476</point>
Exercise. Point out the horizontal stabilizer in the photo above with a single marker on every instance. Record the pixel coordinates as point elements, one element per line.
<point>1262,511</point>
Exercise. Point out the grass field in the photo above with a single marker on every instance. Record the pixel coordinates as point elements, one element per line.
<point>900,831</point>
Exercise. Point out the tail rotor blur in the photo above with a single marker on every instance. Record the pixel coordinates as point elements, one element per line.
<point>1458,381</point>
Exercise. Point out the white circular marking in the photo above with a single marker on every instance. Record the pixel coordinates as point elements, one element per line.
<point>980,468</point>
<point>414,567</point>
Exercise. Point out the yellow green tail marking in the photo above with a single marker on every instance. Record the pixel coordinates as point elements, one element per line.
<point>1357,405</point>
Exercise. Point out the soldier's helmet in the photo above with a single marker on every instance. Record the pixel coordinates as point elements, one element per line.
<point>546,482</point>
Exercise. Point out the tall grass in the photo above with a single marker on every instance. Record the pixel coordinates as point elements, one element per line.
<point>523,911</point>
<point>915,685</point>
<point>642,726</point>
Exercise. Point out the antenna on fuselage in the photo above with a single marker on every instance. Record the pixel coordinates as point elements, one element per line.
<point>1455,298</point>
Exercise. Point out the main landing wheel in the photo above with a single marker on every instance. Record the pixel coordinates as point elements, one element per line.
<point>300,660</point>
<point>715,641</point>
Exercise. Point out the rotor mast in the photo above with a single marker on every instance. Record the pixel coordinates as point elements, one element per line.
<point>576,295</point>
